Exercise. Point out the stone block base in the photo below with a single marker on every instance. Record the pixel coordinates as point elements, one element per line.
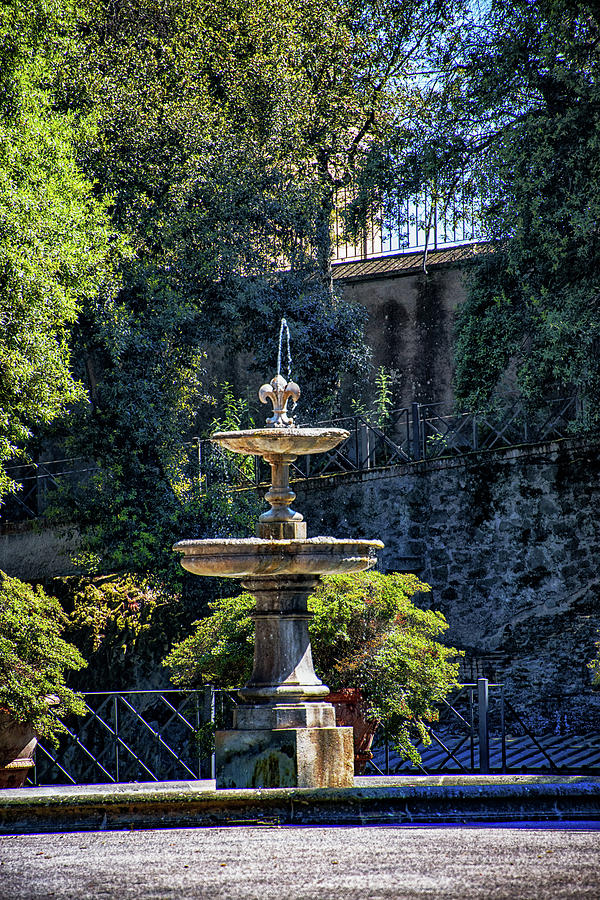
<point>285,757</point>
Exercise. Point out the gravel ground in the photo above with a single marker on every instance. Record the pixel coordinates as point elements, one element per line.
<point>528,863</point>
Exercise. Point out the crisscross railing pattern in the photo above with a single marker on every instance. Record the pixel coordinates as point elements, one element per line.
<point>37,480</point>
<point>417,433</point>
<point>479,730</point>
<point>130,736</point>
<point>508,424</point>
<point>154,736</point>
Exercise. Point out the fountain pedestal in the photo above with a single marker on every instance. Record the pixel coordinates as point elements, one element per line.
<point>284,734</point>
<point>285,757</point>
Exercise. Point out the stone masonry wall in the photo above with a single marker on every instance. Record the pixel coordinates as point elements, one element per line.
<point>509,543</point>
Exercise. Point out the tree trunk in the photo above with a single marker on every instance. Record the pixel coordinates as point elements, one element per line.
<point>323,227</point>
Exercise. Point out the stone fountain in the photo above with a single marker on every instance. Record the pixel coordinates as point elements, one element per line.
<point>284,733</point>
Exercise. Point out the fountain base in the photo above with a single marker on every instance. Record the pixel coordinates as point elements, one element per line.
<point>250,717</point>
<point>285,757</point>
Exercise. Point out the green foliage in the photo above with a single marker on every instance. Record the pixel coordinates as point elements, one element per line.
<point>196,108</point>
<point>34,658</point>
<point>220,133</point>
<point>383,398</point>
<point>147,493</point>
<point>219,652</point>
<point>55,239</point>
<point>365,632</point>
<point>520,105</point>
<point>131,520</point>
<point>380,396</point>
<point>123,624</point>
<point>594,665</point>
<point>235,416</point>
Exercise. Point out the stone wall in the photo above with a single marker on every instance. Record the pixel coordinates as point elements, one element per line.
<point>509,543</point>
<point>410,325</point>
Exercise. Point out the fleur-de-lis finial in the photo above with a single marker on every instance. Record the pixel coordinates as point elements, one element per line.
<point>279,391</point>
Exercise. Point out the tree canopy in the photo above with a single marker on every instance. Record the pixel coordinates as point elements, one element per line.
<point>171,169</point>
<point>515,122</point>
<point>56,241</point>
<point>222,131</point>
<point>365,633</point>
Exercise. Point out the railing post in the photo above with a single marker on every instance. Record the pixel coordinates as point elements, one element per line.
<point>207,462</point>
<point>213,757</point>
<point>387,753</point>
<point>39,503</point>
<point>198,722</point>
<point>416,431</point>
<point>116,723</point>
<point>503,728</point>
<point>484,738</point>
<point>472,728</point>
<point>365,447</point>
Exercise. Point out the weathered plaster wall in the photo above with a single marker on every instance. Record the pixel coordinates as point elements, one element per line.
<point>411,329</point>
<point>510,545</point>
<point>32,552</point>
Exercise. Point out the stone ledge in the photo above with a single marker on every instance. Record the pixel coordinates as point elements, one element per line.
<point>372,801</point>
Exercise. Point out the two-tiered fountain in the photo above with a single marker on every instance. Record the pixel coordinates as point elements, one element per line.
<point>284,734</point>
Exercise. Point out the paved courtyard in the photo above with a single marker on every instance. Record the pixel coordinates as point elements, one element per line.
<point>553,861</point>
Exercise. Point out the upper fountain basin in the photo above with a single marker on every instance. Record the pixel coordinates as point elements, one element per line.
<point>239,557</point>
<point>288,441</point>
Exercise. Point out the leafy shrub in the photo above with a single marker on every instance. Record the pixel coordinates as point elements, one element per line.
<point>34,658</point>
<point>365,633</point>
<point>123,625</point>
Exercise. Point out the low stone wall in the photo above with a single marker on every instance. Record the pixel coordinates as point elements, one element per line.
<point>509,543</point>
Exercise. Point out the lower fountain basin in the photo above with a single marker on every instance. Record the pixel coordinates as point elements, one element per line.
<point>239,557</point>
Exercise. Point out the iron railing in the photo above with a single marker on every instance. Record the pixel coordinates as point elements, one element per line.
<point>37,481</point>
<point>416,433</point>
<point>141,735</point>
<point>166,735</point>
<point>408,224</point>
<point>480,731</point>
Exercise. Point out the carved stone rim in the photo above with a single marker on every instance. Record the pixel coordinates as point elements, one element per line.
<point>287,443</point>
<point>294,544</point>
<point>279,434</point>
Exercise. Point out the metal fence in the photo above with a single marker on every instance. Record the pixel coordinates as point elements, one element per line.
<point>480,731</point>
<point>130,736</point>
<point>38,480</point>
<point>135,736</point>
<point>417,433</point>
<point>408,224</point>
